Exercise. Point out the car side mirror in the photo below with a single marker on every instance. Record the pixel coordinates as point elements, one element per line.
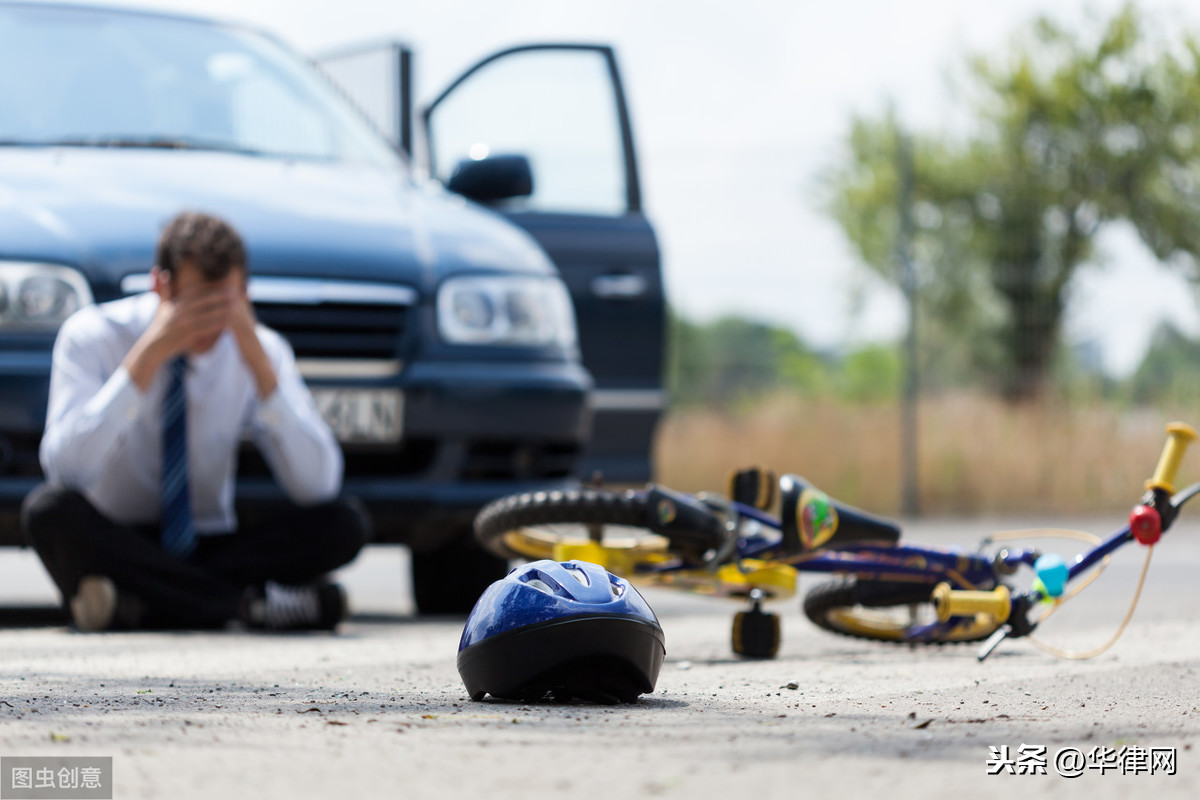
<point>488,180</point>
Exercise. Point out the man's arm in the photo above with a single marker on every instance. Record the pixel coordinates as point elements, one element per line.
<point>178,324</point>
<point>89,413</point>
<point>290,433</point>
<point>245,331</point>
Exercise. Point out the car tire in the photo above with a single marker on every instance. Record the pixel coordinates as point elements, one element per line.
<point>450,579</point>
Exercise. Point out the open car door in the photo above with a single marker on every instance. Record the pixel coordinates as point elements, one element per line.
<point>553,118</point>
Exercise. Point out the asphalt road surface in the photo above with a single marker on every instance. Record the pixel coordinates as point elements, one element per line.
<point>378,710</point>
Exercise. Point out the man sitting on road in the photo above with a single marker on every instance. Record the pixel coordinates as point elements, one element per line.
<point>150,397</point>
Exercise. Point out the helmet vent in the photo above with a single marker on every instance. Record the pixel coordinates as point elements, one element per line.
<point>574,581</point>
<point>541,585</point>
<point>546,583</point>
<point>576,573</point>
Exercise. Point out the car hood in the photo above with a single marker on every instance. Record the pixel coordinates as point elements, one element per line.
<point>101,210</point>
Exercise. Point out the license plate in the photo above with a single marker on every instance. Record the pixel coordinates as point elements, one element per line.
<point>362,415</point>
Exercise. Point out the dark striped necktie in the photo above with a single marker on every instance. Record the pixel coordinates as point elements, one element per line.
<point>178,532</point>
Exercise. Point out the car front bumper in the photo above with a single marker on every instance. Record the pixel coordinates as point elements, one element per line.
<point>471,432</point>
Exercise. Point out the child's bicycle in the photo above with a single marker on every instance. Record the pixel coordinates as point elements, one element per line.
<point>887,590</point>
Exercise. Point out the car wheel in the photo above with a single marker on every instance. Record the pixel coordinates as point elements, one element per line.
<point>450,579</point>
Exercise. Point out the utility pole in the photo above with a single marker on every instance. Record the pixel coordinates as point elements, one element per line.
<point>909,491</point>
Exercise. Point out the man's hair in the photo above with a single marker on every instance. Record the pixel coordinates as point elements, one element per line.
<point>209,243</point>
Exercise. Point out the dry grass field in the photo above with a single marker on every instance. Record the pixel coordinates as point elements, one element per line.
<point>976,455</point>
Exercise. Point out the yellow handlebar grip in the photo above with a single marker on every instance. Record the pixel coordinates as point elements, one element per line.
<point>1179,436</point>
<point>954,603</point>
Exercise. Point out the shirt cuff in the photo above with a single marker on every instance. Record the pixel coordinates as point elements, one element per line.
<point>272,412</point>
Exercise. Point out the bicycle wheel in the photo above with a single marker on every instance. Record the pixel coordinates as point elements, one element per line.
<point>530,525</point>
<point>884,611</point>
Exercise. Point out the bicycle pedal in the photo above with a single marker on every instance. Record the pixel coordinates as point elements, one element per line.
<point>756,633</point>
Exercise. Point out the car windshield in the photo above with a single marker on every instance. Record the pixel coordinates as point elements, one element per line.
<point>97,78</point>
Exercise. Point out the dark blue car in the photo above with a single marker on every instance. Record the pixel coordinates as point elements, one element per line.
<point>462,344</point>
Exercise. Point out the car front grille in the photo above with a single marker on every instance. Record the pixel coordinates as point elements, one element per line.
<point>337,330</point>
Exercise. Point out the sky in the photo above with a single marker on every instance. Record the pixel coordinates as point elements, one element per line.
<point>737,109</point>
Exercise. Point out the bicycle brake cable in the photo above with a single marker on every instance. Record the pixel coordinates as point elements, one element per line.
<point>1066,533</point>
<point>1076,655</point>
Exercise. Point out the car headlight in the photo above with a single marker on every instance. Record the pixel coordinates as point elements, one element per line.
<point>40,295</point>
<point>506,310</point>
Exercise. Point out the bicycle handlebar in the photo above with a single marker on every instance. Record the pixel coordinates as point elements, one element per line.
<point>1002,605</point>
<point>1179,436</point>
<point>950,602</point>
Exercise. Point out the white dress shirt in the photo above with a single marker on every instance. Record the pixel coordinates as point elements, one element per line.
<point>104,435</point>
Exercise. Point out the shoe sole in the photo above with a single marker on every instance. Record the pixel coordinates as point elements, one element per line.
<point>94,604</point>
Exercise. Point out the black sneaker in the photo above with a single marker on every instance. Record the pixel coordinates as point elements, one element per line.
<point>299,608</point>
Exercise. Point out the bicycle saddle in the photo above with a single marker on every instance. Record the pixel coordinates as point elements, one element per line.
<point>809,519</point>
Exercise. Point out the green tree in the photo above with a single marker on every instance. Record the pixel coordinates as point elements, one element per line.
<point>733,358</point>
<point>871,374</point>
<point>1168,371</point>
<point>1071,129</point>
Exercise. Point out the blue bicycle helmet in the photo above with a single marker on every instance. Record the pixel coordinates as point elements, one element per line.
<point>569,629</point>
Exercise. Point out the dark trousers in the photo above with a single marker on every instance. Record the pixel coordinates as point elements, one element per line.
<point>206,589</point>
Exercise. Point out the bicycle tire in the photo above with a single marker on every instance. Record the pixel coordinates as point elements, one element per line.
<point>508,515</point>
<point>850,608</point>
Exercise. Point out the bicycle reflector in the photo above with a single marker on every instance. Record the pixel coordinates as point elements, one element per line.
<point>1145,524</point>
